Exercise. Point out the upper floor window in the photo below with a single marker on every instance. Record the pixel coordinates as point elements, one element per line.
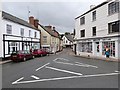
<point>44,39</point>
<point>82,20</point>
<point>82,33</point>
<point>114,27</point>
<point>94,31</point>
<point>35,35</point>
<point>9,29</point>
<point>94,16</point>
<point>113,8</point>
<point>29,33</point>
<point>22,32</point>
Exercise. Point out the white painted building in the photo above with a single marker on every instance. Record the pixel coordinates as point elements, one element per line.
<point>97,29</point>
<point>67,40</point>
<point>17,34</point>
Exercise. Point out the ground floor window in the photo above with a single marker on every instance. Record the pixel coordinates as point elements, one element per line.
<point>13,46</point>
<point>110,45</point>
<point>86,47</point>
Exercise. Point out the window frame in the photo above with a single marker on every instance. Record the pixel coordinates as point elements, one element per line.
<point>8,29</point>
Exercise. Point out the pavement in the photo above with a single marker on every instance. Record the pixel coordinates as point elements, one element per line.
<point>61,70</point>
<point>72,53</point>
<point>96,58</point>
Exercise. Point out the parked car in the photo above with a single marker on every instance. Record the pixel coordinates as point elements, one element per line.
<point>39,52</point>
<point>21,55</point>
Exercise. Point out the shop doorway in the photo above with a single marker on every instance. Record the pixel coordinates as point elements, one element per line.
<point>97,49</point>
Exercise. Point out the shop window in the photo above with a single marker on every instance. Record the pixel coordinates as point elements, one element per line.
<point>86,47</point>
<point>111,46</point>
<point>13,46</point>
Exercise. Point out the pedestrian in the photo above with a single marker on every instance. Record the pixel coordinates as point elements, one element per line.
<point>107,53</point>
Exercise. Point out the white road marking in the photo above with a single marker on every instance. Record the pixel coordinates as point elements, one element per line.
<point>65,63</point>
<point>18,80</point>
<point>35,77</point>
<point>117,71</point>
<point>82,65</point>
<point>62,78</point>
<point>60,59</point>
<point>42,67</point>
<point>87,65</point>
<point>55,59</point>
<point>63,70</point>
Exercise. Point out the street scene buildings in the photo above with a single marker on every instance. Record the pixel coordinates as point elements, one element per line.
<point>17,34</point>
<point>97,29</point>
<point>41,47</point>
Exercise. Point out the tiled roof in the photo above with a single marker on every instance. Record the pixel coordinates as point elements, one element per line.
<point>69,37</point>
<point>16,20</point>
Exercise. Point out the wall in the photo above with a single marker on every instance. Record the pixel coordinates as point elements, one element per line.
<point>101,23</point>
<point>16,31</point>
<point>0,31</point>
<point>44,33</point>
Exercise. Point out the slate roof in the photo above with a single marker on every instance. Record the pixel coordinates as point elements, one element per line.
<point>15,19</point>
<point>51,32</point>
<point>69,37</point>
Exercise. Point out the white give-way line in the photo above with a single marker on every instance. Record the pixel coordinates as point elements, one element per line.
<point>42,67</point>
<point>61,70</point>
<point>62,78</point>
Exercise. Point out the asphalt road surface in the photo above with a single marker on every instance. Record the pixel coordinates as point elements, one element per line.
<point>62,70</point>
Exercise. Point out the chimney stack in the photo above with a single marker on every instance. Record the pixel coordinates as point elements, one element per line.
<point>36,22</point>
<point>31,20</point>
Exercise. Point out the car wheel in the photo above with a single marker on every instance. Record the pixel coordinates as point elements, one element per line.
<point>24,59</point>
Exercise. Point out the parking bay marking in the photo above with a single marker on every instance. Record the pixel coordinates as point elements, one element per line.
<point>35,77</point>
<point>42,67</point>
<point>62,78</point>
<point>79,64</point>
<point>63,70</point>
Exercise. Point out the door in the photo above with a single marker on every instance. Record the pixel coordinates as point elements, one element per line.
<point>97,49</point>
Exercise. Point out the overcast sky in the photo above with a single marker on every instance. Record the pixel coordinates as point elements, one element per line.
<point>60,14</point>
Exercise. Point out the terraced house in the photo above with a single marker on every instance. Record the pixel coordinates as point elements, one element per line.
<point>97,29</point>
<point>16,34</point>
<point>50,38</point>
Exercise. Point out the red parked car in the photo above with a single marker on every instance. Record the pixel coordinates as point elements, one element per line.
<point>21,55</point>
<point>39,52</point>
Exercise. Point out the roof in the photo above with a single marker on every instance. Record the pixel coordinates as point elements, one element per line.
<point>94,8</point>
<point>50,31</point>
<point>69,37</point>
<point>17,20</point>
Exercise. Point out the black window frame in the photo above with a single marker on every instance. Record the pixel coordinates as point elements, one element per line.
<point>82,20</point>
<point>113,7</point>
<point>22,32</point>
<point>94,16</point>
<point>8,29</point>
<point>114,27</point>
<point>94,31</point>
<point>82,33</point>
